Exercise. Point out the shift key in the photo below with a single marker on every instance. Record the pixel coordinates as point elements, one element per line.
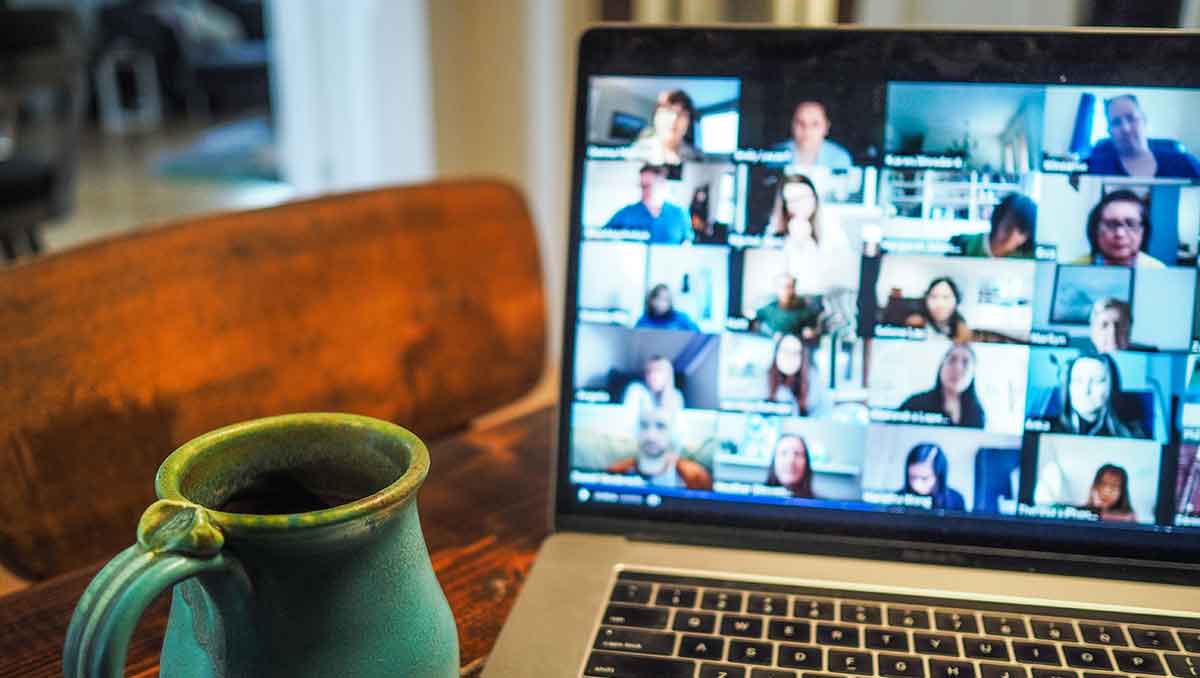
<point>632,615</point>
<point>610,665</point>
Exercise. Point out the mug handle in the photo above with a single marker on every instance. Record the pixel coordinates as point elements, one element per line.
<point>176,540</point>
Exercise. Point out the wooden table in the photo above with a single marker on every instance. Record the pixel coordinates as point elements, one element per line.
<point>484,513</point>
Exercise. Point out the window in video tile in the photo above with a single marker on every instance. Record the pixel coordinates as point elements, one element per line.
<point>1098,480</point>
<point>944,469</point>
<point>1113,395</point>
<point>618,446</point>
<point>1122,131</point>
<point>787,457</point>
<point>646,368</point>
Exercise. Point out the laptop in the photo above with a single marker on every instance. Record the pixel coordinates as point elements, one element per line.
<point>880,360</point>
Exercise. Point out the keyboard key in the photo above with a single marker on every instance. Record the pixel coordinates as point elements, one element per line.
<point>744,627</point>
<point>1138,662</point>
<point>1055,673</point>
<point>940,668</point>
<point>931,643</point>
<point>1002,671</point>
<point>723,601</point>
<point>772,673</point>
<point>792,631</point>
<point>985,648</point>
<point>1089,674</point>
<point>1050,629</point>
<point>857,663</point>
<point>908,617</point>
<point>887,639</point>
<point>746,652</point>
<point>900,666</point>
<point>799,656</point>
<point>627,615</point>
<point>722,671</point>
<point>1082,657</point>
<point>1190,640</point>
<point>809,608</point>
<point>1152,639</point>
<point>630,592</point>
<point>695,622</point>
<point>842,636</point>
<point>859,613</point>
<point>610,665</point>
<point>635,640</point>
<point>1036,653</point>
<point>760,604</point>
<point>1102,634</point>
<point>674,596</point>
<point>701,647</point>
<point>962,622</point>
<point>1009,627</point>
<point>1183,665</point>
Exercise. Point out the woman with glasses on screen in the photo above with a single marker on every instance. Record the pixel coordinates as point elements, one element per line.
<point>1091,391</point>
<point>1109,495</point>
<point>1118,231</point>
<point>953,393</point>
<point>925,472</point>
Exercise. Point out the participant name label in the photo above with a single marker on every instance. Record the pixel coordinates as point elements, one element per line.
<point>760,406</point>
<point>905,246</point>
<point>923,161</point>
<point>901,417</point>
<point>1071,166</point>
<point>1187,521</point>
<point>897,499</point>
<point>604,317</point>
<point>1056,512</point>
<point>1044,338</point>
<point>896,332</point>
<point>762,156</point>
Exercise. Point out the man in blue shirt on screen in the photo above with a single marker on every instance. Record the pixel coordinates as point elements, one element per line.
<point>665,222</point>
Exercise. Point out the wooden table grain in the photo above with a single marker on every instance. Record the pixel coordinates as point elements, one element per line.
<point>484,513</point>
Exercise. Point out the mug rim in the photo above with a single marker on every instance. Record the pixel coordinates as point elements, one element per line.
<point>170,473</point>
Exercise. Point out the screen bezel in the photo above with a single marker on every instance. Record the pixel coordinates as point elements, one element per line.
<point>1092,57</point>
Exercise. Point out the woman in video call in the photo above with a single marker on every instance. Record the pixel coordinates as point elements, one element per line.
<point>1118,231</point>
<point>953,393</point>
<point>813,246</point>
<point>925,471</point>
<point>666,140</point>
<point>939,311</point>
<point>1011,235</point>
<point>656,389</point>
<point>790,377</point>
<point>1109,495</point>
<point>660,313</point>
<point>791,467</point>
<point>1129,151</point>
<point>1090,395</point>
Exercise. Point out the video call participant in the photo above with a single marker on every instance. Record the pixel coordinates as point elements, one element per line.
<point>1109,496</point>
<point>1110,322</point>
<point>656,389</point>
<point>667,141</point>
<point>810,145</point>
<point>658,459</point>
<point>810,245</point>
<point>1118,230</point>
<point>925,472</point>
<point>1092,389</point>
<point>704,231</point>
<point>791,377</point>
<point>666,223</point>
<point>1129,152</point>
<point>789,313</point>
<point>791,466</point>
<point>953,393</point>
<point>1011,235</point>
<point>660,313</point>
<point>939,311</point>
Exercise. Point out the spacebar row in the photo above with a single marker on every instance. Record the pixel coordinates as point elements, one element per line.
<point>611,665</point>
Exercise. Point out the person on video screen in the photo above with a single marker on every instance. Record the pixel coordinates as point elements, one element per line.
<point>1091,392</point>
<point>1118,231</point>
<point>953,393</point>
<point>658,459</point>
<point>939,311</point>
<point>1109,324</point>
<point>660,313</point>
<point>656,389</point>
<point>1011,234</point>
<point>791,466</point>
<point>1109,495</point>
<point>812,243</point>
<point>925,471</point>
<point>1128,151</point>
<point>704,230</point>
<point>810,145</point>
<point>667,140</point>
<point>791,377</point>
<point>666,222</point>
<point>790,313</point>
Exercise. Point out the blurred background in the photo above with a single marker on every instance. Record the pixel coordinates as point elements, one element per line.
<point>117,115</point>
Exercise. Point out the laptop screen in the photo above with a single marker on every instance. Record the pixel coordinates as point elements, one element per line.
<point>873,299</point>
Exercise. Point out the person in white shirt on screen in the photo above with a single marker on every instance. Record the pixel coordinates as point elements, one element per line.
<point>810,145</point>
<point>666,141</point>
<point>815,246</point>
<point>656,389</point>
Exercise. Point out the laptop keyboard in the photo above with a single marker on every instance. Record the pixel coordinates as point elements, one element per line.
<point>657,626</point>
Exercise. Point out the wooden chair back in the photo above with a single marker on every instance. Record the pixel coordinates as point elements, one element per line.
<point>422,305</point>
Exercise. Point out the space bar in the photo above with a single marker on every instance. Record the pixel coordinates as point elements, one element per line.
<point>612,665</point>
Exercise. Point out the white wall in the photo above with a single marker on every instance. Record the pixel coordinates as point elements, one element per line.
<point>958,12</point>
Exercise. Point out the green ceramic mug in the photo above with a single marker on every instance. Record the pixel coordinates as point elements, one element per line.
<point>294,549</point>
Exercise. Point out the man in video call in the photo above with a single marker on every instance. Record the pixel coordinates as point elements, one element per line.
<point>789,313</point>
<point>666,223</point>
<point>809,144</point>
<point>658,459</point>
